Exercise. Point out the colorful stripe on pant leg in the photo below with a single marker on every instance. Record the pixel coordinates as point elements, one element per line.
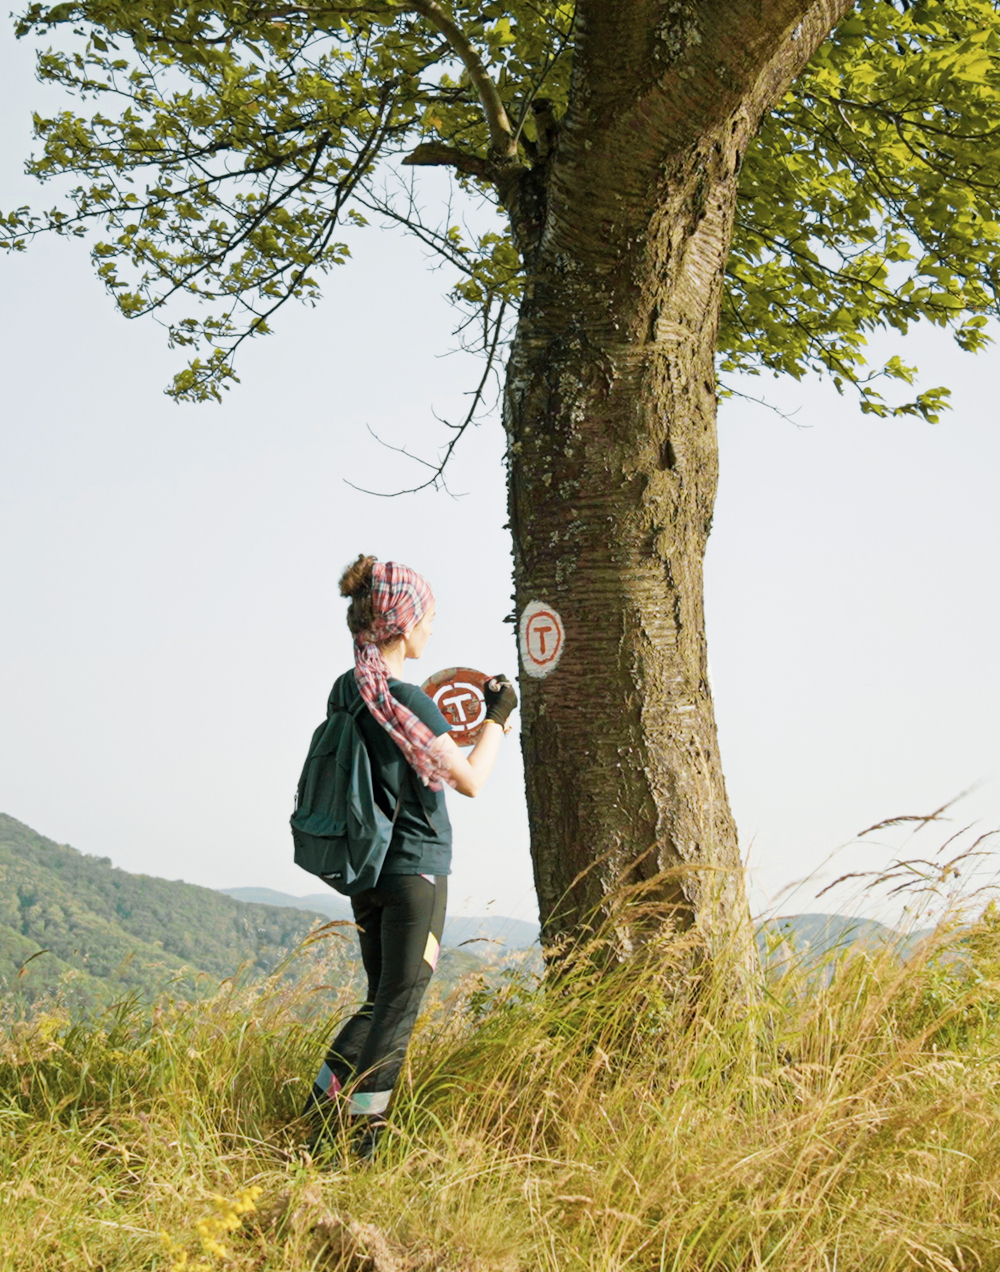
<point>366,1102</point>
<point>328,1082</point>
<point>431,951</point>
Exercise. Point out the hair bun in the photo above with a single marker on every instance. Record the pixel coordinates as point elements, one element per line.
<point>357,578</point>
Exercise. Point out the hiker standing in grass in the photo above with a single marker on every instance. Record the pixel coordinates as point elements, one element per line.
<point>400,920</point>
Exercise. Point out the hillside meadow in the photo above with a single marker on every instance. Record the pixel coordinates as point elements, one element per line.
<point>636,1118</point>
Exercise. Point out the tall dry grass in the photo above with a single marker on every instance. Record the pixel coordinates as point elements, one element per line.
<point>614,1119</point>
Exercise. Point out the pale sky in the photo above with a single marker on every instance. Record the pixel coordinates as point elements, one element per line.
<point>168,579</point>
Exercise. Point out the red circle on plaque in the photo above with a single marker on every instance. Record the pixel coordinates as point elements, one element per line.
<point>457,692</point>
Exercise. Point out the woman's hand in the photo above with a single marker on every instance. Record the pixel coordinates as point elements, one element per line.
<point>500,700</point>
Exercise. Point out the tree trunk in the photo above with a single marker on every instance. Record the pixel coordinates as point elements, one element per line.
<point>610,412</point>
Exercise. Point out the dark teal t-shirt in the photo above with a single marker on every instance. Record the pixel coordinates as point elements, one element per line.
<point>421,838</point>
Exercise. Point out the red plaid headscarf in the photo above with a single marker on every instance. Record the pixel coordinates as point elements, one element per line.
<point>400,599</point>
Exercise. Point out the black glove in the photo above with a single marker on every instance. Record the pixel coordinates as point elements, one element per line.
<point>500,699</point>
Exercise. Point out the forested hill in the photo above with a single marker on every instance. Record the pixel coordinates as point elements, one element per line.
<point>105,932</point>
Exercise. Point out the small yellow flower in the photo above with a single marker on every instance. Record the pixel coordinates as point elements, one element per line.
<point>227,1217</point>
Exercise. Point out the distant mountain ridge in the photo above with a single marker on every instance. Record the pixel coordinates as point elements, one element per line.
<point>486,931</point>
<point>815,936</point>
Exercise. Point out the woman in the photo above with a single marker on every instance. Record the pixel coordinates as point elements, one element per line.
<point>401,919</point>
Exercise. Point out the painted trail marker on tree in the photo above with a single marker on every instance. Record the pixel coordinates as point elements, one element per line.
<point>542,639</point>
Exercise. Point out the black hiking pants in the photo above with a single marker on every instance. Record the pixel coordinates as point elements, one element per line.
<point>400,923</point>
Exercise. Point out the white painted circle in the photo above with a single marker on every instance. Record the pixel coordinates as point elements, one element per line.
<point>543,638</point>
<point>461,702</point>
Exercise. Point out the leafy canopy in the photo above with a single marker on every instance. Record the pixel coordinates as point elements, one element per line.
<point>231,142</point>
<point>871,198</point>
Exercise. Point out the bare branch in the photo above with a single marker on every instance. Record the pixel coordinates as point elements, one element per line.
<point>788,417</point>
<point>477,397</point>
<point>433,239</point>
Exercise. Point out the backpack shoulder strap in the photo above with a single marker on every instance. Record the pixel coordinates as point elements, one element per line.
<point>336,703</point>
<point>357,711</point>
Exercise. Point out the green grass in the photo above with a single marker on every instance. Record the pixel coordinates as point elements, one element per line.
<point>621,1119</point>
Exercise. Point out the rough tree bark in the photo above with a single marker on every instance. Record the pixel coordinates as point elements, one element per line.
<point>610,411</point>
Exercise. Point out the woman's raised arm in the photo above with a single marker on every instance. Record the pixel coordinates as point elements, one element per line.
<point>468,774</point>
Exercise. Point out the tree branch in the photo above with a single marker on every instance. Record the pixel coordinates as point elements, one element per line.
<point>503,141</point>
<point>437,476</point>
<point>815,23</point>
<point>436,240</point>
<point>668,84</point>
<point>438,154</point>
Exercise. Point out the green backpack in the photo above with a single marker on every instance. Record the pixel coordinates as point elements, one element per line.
<point>340,833</point>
